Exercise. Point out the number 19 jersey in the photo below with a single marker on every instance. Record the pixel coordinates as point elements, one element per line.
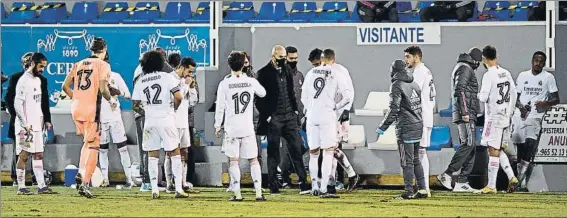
<point>498,91</point>
<point>235,100</point>
<point>155,91</point>
<point>86,102</point>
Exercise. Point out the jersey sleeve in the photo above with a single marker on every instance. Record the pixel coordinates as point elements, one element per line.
<point>519,84</point>
<point>306,90</point>
<point>220,107</point>
<point>258,89</point>
<point>485,88</point>
<point>513,96</point>
<point>137,93</point>
<point>344,89</point>
<point>551,84</point>
<point>21,89</point>
<point>104,72</point>
<point>419,79</point>
<point>173,84</point>
<point>350,85</point>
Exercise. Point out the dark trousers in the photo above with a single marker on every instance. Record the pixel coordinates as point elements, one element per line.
<point>464,158</point>
<point>143,154</point>
<point>191,158</point>
<point>286,127</point>
<point>436,13</point>
<point>411,165</point>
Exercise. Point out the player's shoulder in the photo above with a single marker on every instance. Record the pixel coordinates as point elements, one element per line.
<point>548,74</point>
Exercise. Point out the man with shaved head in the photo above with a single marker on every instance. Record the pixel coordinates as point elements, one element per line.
<point>279,118</point>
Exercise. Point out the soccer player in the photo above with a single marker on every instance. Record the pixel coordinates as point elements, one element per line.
<point>535,87</point>
<point>183,74</point>
<point>322,84</point>
<point>497,92</point>
<point>405,108</point>
<point>235,100</point>
<point>29,125</point>
<point>90,83</point>
<point>424,79</point>
<point>156,96</point>
<point>113,127</point>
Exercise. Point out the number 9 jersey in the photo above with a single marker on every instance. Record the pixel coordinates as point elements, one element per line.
<point>235,100</point>
<point>498,92</point>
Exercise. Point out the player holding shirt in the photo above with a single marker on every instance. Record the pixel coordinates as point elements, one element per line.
<point>535,87</point>
<point>497,92</point>
<point>29,125</point>
<point>235,100</point>
<point>322,84</point>
<point>156,96</point>
<point>90,79</point>
<point>113,127</point>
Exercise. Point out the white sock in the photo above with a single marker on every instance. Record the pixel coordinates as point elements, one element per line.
<point>153,172</point>
<point>425,164</point>
<point>314,170</point>
<point>234,172</point>
<point>256,177</point>
<point>493,166</point>
<point>505,164</point>
<point>21,178</point>
<point>176,168</point>
<point>522,168</point>
<point>184,173</point>
<point>126,164</point>
<point>332,177</point>
<point>103,159</point>
<point>168,171</point>
<point>346,164</point>
<point>37,166</point>
<point>326,166</point>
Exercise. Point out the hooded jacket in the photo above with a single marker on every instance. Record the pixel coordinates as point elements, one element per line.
<point>465,89</point>
<point>405,107</point>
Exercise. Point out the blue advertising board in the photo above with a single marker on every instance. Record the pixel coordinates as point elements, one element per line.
<point>65,45</point>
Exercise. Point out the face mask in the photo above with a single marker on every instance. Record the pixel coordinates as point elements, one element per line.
<point>292,64</point>
<point>281,62</point>
<point>475,65</point>
<point>246,69</point>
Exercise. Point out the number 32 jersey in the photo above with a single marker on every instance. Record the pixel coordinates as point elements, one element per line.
<point>86,104</point>
<point>235,100</point>
<point>155,91</point>
<point>498,91</point>
<point>319,89</point>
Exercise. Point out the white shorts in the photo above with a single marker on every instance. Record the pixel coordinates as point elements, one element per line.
<point>35,144</point>
<point>321,136</point>
<point>114,130</point>
<point>518,130</point>
<point>493,136</point>
<point>240,147</point>
<point>342,129</point>
<point>533,128</point>
<point>157,137</point>
<point>425,137</point>
<point>184,137</point>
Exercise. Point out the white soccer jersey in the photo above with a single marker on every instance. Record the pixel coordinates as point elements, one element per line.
<point>156,90</point>
<point>235,100</point>
<point>497,92</point>
<point>424,79</point>
<point>28,89</point>
<point>107,115</point>
<point>189,96</point>
<point>533,88</point>
<point>322,84</point>
<point>348,80</point>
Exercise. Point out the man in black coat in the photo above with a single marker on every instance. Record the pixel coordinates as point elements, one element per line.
<point>465,108</point>
<point>279,118</point>
<point>10,96</point>
<point>440,10</point>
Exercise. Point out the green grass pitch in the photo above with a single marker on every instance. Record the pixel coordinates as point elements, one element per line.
<point>213,202</point>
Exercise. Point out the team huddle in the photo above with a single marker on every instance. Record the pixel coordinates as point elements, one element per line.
<point>327,94</point>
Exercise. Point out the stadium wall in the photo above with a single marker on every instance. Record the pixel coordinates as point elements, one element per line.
<point>561,65</point>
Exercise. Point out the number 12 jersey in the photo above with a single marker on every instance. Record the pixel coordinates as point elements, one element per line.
<point>155,91</point>
<point>235,100</point>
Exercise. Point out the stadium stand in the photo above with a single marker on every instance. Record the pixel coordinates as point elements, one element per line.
<point>20,13</point>
<point>51,13</point>
<point>448,112</point>
<point>113,13</point>
<point>332,12</point>
<point>82,13</point>
<point>440,138</point>
<point>356,137</point>
<point>270,12</point>
<point>376,104</point>
<point>175,12</point>
<point>202,14</point>
<point>2,11</point>
<point>301,12</point>
<point>144,13</point>
<point>239,12</point>
<point>386,142</point>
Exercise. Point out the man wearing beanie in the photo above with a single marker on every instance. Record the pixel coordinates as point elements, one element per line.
<point>405,108</point>
<point>465,107</point>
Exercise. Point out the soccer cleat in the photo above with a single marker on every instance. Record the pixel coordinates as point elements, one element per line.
<point>129,185</point>
<point>486,190</point>
<point>304,188</point>
<point>145,187</point>
<point>45,190</point>
<point>14,184</point>
<point>233,198</point>
<point>512,184</point>
<point>445,180</point>
<point>428,193</point>
<point>190,190</point>
<point>78,181</point>
<point>422,194</point>
<point>229,189</point>
<point>353,182</point>
<point>84,191</point>
<point>315,192</point>
<point>463,187</point>
<point>155,195</point>
<point>170,189</point>
<point>403,196</point>
<point>181,194</point>
<point>24,191</point>
<point>261,198</point>
<point>105,183</point>
<point>286,185</point>
<point>340,186</point>
<point>329,195</point>
<point>331,189</point>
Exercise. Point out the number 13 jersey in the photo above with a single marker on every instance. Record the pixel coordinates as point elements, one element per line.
<point>155,91</point>
<point>235,100</point>
<point>86,103</point>
<point>498,91</point>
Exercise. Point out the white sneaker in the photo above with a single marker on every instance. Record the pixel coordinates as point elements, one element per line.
<point>463,187</point>
<point>445,180</point>
<point>229,189</point>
